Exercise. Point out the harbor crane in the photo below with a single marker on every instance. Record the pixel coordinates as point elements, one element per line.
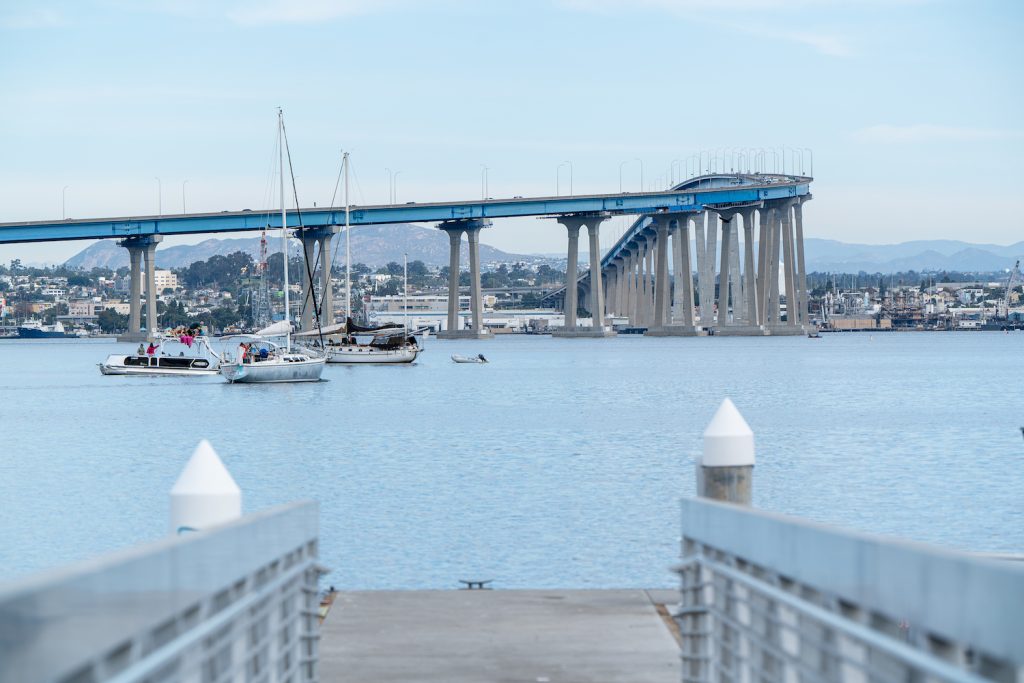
<point>1014,280</point>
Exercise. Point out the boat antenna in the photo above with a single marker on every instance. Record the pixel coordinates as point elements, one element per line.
<point>284,224</point>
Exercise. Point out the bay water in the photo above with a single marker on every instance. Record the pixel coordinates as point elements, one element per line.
<point>558,464</point>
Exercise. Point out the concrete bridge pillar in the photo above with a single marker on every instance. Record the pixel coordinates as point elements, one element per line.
<point>326,284</point>
<point>455,228</point>
<point>774,297</point>
<point>804,295</point>
<point>749,288</point>
<point>789,274</point>
<point>647,285</point>
<point>141,251</point>
<point>309,241</point>
<point>763,246</point>
<point>684,275</point>
<point>723,270</point>
<point>152,326</point>
<point>476,301</point>
<point>700,243</point>
<point>661,283</point>
<point>677,320</point>
<point>573,223</point>
<point>596,286</point>
<point>135,291</point>
<point>631,285</point>
<point>731,279</point>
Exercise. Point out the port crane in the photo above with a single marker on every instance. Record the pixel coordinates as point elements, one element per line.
<point>1014,280</point>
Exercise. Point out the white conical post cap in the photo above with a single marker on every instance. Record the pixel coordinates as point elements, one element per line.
<point>205,494</point>
<point>728,439</point>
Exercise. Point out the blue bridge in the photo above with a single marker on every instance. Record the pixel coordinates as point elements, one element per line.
<point>631,281</point>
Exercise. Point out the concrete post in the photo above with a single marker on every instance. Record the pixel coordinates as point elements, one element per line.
<point>661,283</point>
<point>309,253</point>
<point>476,303</point>
<point>726,468</point>
<point>596,287</point>
<point>151,293</point>
<point>749,288</point>
<point>204,495</point>
<point>723,271</point>
<point>455,251</point>
<point>135,296</point>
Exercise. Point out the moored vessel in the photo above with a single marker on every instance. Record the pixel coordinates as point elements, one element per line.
<point>35,329</point>
<point>168,356</point>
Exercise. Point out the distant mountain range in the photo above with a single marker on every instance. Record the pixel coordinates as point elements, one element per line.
<point>930,255</point>
<point>376,245</point>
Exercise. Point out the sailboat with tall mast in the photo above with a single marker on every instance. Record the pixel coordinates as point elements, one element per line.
<point>262,360</point>
<point>389,343</point>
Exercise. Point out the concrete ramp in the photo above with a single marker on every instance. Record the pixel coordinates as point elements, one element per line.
<point>530,636</point>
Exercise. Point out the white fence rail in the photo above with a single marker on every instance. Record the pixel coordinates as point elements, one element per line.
<point>771,598</point>
<point>236,603</point>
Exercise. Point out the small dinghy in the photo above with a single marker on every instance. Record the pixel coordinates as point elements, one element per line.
<point>478,358</point>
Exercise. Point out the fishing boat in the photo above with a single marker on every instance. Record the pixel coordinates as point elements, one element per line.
<point>261,360</point>
<point>478,358</point>
<point>172,356</point>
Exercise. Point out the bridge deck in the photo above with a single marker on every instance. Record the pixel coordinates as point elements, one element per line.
<point>687,197</point>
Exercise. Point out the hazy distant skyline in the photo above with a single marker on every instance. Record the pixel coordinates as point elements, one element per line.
<point>913,107</point>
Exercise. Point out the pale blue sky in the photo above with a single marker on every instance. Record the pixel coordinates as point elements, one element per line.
<point>914,108</point>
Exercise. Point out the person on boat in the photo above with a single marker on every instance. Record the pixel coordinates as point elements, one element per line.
<point>243,349</point>
<point>151,349</point>
<point>141,350</point>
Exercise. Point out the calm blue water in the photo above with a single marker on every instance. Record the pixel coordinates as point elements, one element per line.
<point>557,465</point>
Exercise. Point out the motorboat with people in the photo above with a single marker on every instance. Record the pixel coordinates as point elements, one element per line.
<point>478,358</point>
<point>175,355</point>
<point>258,360</point>
<point>388,343</point>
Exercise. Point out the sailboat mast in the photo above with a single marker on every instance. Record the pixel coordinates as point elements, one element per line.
<point>284,225</point>
<point>348,247</point>
<point>405,295</point>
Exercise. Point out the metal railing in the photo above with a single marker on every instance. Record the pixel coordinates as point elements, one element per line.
<point>238,602</point>
<point>766,597</point>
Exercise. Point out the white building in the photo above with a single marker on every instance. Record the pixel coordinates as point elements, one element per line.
<point>165,279</point>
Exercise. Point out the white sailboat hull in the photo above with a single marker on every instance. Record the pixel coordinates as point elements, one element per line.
<point>273,371</point>
<point>368,354</point>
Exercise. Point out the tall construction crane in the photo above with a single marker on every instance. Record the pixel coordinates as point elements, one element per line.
<point>1014,280</point>
<point>261,309</point>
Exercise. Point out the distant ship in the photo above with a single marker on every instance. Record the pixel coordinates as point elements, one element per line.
<point>34,329</point>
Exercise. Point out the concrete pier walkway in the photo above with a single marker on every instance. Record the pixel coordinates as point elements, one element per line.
<point>507,636</point>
